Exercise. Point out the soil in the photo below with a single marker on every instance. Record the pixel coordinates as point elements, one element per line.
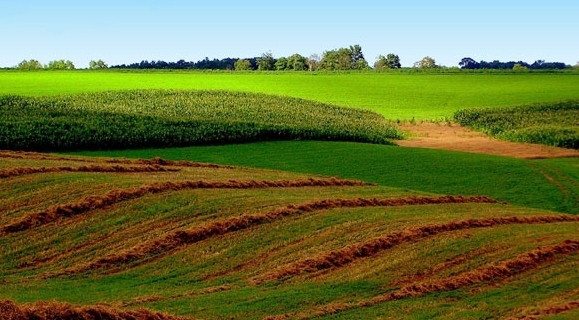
<point>457,138</point>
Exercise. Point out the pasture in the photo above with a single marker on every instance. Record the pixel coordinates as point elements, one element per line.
<point>293,227</point>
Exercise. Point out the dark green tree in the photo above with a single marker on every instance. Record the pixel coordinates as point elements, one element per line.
<point>266,62</point>
<point>390,61</point>
<point>242,65</point>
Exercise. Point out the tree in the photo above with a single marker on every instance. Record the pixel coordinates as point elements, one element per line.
<point>297,62</point>
<point>29,65</point>
<point>60,65</point>
<point>469,63</point>
<point>313,60</point>
<point>390,61</point>
<point>426,63</point>
<point>281,64</point>
<point>97,65</point>
<point>266,62</point>
<point>350,58</point>
<point>520,67</point>
<point>242,65</point>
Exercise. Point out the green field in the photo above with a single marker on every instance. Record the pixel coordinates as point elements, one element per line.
<point>394,95</point>
<point>555,124</point>
<point>294,228</point>
<point>285,244</point>
<point>170,118</point>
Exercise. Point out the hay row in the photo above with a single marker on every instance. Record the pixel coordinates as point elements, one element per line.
<point>489,274</point>
<point>19,171</point>
<point>64,311</point>
<point>115,196</point>
<point>352,253</point>
<point>181,238</point>
<point>154,161</point>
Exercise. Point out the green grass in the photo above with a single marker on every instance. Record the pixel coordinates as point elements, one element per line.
<point>515,181</point>
<point>183,280</point>
<point>168,118</point>
<point>394,95</point>
<point>555,124</point>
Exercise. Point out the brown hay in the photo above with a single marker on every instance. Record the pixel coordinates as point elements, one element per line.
<point>184,237</point>
<point>551,310</point>
<point>19,171</point>
<point>64,311</point>
<point>351,253</point>
<point>153,161</point>
<point>96,202</point>
<point>522,263</point>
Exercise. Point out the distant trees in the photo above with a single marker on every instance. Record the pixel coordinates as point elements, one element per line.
<point>93,65</point>
<point>426,63</point>
<point>313,61</point>
<point>468,63</point>
<point>60,65</point>
<point>266,62</point>
<point>29,65</point>
<point>390,61</point>
<point>242,65</point>
<point>520,67</point>
<point>350,58</point>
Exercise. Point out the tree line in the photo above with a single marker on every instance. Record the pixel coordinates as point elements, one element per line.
<point>347,58</point>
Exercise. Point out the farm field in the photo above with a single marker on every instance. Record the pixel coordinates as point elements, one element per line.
<point>210,242</point>
<point>397,96</point>
<point>295,209</point>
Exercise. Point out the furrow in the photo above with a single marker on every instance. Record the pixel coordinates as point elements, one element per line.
<point>19,171</point>
<point>55,310</point>
<point>185,237</point>
<point>96,202</point>
<point>352,253</point>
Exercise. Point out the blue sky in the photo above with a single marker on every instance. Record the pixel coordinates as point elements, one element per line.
<point>126,31</point>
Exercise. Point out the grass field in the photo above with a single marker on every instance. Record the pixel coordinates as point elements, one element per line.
<point>285,229</point>
<point>287,244</point>
<point>522,182</point>
<point>394,95</point>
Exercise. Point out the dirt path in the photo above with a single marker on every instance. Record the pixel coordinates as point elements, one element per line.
<point>457,138</point>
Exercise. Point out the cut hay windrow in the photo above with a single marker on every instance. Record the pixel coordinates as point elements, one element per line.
<point>181,238</point>
<point>115,196</point>
<point>19,171</point>
<point>498,272</point>
<point>64,311</point>
<point>550,310</point>
<point>352,253</point>
<point>152,161</point>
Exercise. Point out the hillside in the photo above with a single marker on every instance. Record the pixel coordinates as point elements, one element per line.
<point>210,241</point>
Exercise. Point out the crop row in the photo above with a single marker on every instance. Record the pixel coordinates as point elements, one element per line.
<point>555,124</point>
<point>157,118</point>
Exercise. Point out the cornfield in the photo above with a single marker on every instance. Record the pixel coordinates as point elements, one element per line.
<point>168,118</point>
<point>555,124</point>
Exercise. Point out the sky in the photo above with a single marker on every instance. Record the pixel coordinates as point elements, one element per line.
<point>127,31</point>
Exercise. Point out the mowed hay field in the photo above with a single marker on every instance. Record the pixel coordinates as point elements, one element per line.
<point>284,226</point>
<point>210,242</point>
